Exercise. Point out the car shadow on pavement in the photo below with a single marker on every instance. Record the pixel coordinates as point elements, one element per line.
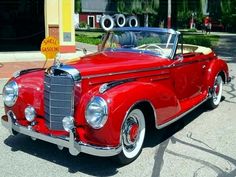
<point>83,163</point>
<point>98,166</point>
<point>162,138</point>
<point>155,137</point>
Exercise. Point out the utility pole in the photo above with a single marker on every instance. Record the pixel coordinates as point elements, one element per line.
<point>169,14</point>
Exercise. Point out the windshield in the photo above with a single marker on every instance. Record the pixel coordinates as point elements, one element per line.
<point>153,42</point>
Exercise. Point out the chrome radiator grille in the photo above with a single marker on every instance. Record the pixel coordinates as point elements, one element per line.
<point>58,99</point>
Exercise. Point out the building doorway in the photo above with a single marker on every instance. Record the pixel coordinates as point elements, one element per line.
<point>91,22</point>
<point>22,26</point>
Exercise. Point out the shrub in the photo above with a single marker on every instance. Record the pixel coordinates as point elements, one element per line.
<point>82,25</point>
<point>198,40</point>
<point>183,18</point>
<point>229,21</point>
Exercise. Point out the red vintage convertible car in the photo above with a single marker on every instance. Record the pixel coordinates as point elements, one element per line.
<point>101,104</point>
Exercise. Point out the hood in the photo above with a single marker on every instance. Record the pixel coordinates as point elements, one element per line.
<point>114,61</point>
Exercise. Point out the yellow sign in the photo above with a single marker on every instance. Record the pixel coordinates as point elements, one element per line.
<point>50,47</point>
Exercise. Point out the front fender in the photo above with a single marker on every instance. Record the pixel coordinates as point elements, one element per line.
<point>121,98</point>
<point>31,90</point>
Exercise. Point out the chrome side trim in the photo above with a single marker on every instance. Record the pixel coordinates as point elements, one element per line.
<point>143,70</point>
<point>107,86</point>
<point>180,116</point>
<point>104,87</point>
<point>137,77</point>
<point>125,72</point>
<point>74,147</point>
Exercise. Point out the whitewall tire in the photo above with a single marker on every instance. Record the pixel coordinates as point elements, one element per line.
<point>107,22</point>
<point>120,20</point>
<point>132,136</point>
<point>215,99</point>
<point>132,21</point>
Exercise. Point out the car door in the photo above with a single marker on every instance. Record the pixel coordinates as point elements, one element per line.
<point>187,76</point>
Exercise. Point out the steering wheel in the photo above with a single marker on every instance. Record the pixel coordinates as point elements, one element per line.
<point>154,47</point>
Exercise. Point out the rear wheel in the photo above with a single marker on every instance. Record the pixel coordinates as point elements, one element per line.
<point>132,136</point>
<point>214,101</point>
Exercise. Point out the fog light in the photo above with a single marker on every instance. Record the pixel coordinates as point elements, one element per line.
<point>68,123</point>
<point>30,113</point>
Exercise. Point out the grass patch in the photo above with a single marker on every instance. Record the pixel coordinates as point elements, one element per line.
<point>201,39</point>
<point>88,37</point>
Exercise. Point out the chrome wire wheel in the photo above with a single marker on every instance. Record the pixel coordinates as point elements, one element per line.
<point>132,136</point>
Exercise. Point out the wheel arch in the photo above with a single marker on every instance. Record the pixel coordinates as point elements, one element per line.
<point>214,76</point>
<point>217,67</point>
<point>223,75</point>
<point>148,110</point>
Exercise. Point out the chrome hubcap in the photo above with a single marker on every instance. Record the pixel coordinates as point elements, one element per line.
<point>216,88</point>
<point>133,132</point>
<point>130,133</point>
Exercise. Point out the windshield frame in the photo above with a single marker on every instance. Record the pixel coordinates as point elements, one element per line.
<point>144,29</point>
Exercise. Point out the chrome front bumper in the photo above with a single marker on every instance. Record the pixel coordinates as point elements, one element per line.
<point>74,147</point>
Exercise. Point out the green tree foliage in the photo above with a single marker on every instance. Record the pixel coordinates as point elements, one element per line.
<point>182,10</point>
<point>137,6</point>
<point>77,5</point>
<point>186,9</point>
<point>228,10</point>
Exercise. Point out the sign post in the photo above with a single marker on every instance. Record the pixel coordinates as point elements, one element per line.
<point>50,47</point>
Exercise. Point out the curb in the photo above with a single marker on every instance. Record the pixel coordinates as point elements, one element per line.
<point>6,57</point>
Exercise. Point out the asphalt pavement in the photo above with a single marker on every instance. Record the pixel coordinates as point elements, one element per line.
<point>201,144</point>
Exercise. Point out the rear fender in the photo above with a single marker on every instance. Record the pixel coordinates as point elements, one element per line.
<point>216,67</point>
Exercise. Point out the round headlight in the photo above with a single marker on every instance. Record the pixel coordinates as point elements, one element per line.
<point>10,93</point>
<point>97,112</point>
<point>68,123</point>
<point>30,113</point>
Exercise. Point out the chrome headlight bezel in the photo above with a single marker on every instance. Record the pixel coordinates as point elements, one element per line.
<point>10,93</point>
<point>96,113</point>
<point>30,113</point>
<point>68,123</point>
